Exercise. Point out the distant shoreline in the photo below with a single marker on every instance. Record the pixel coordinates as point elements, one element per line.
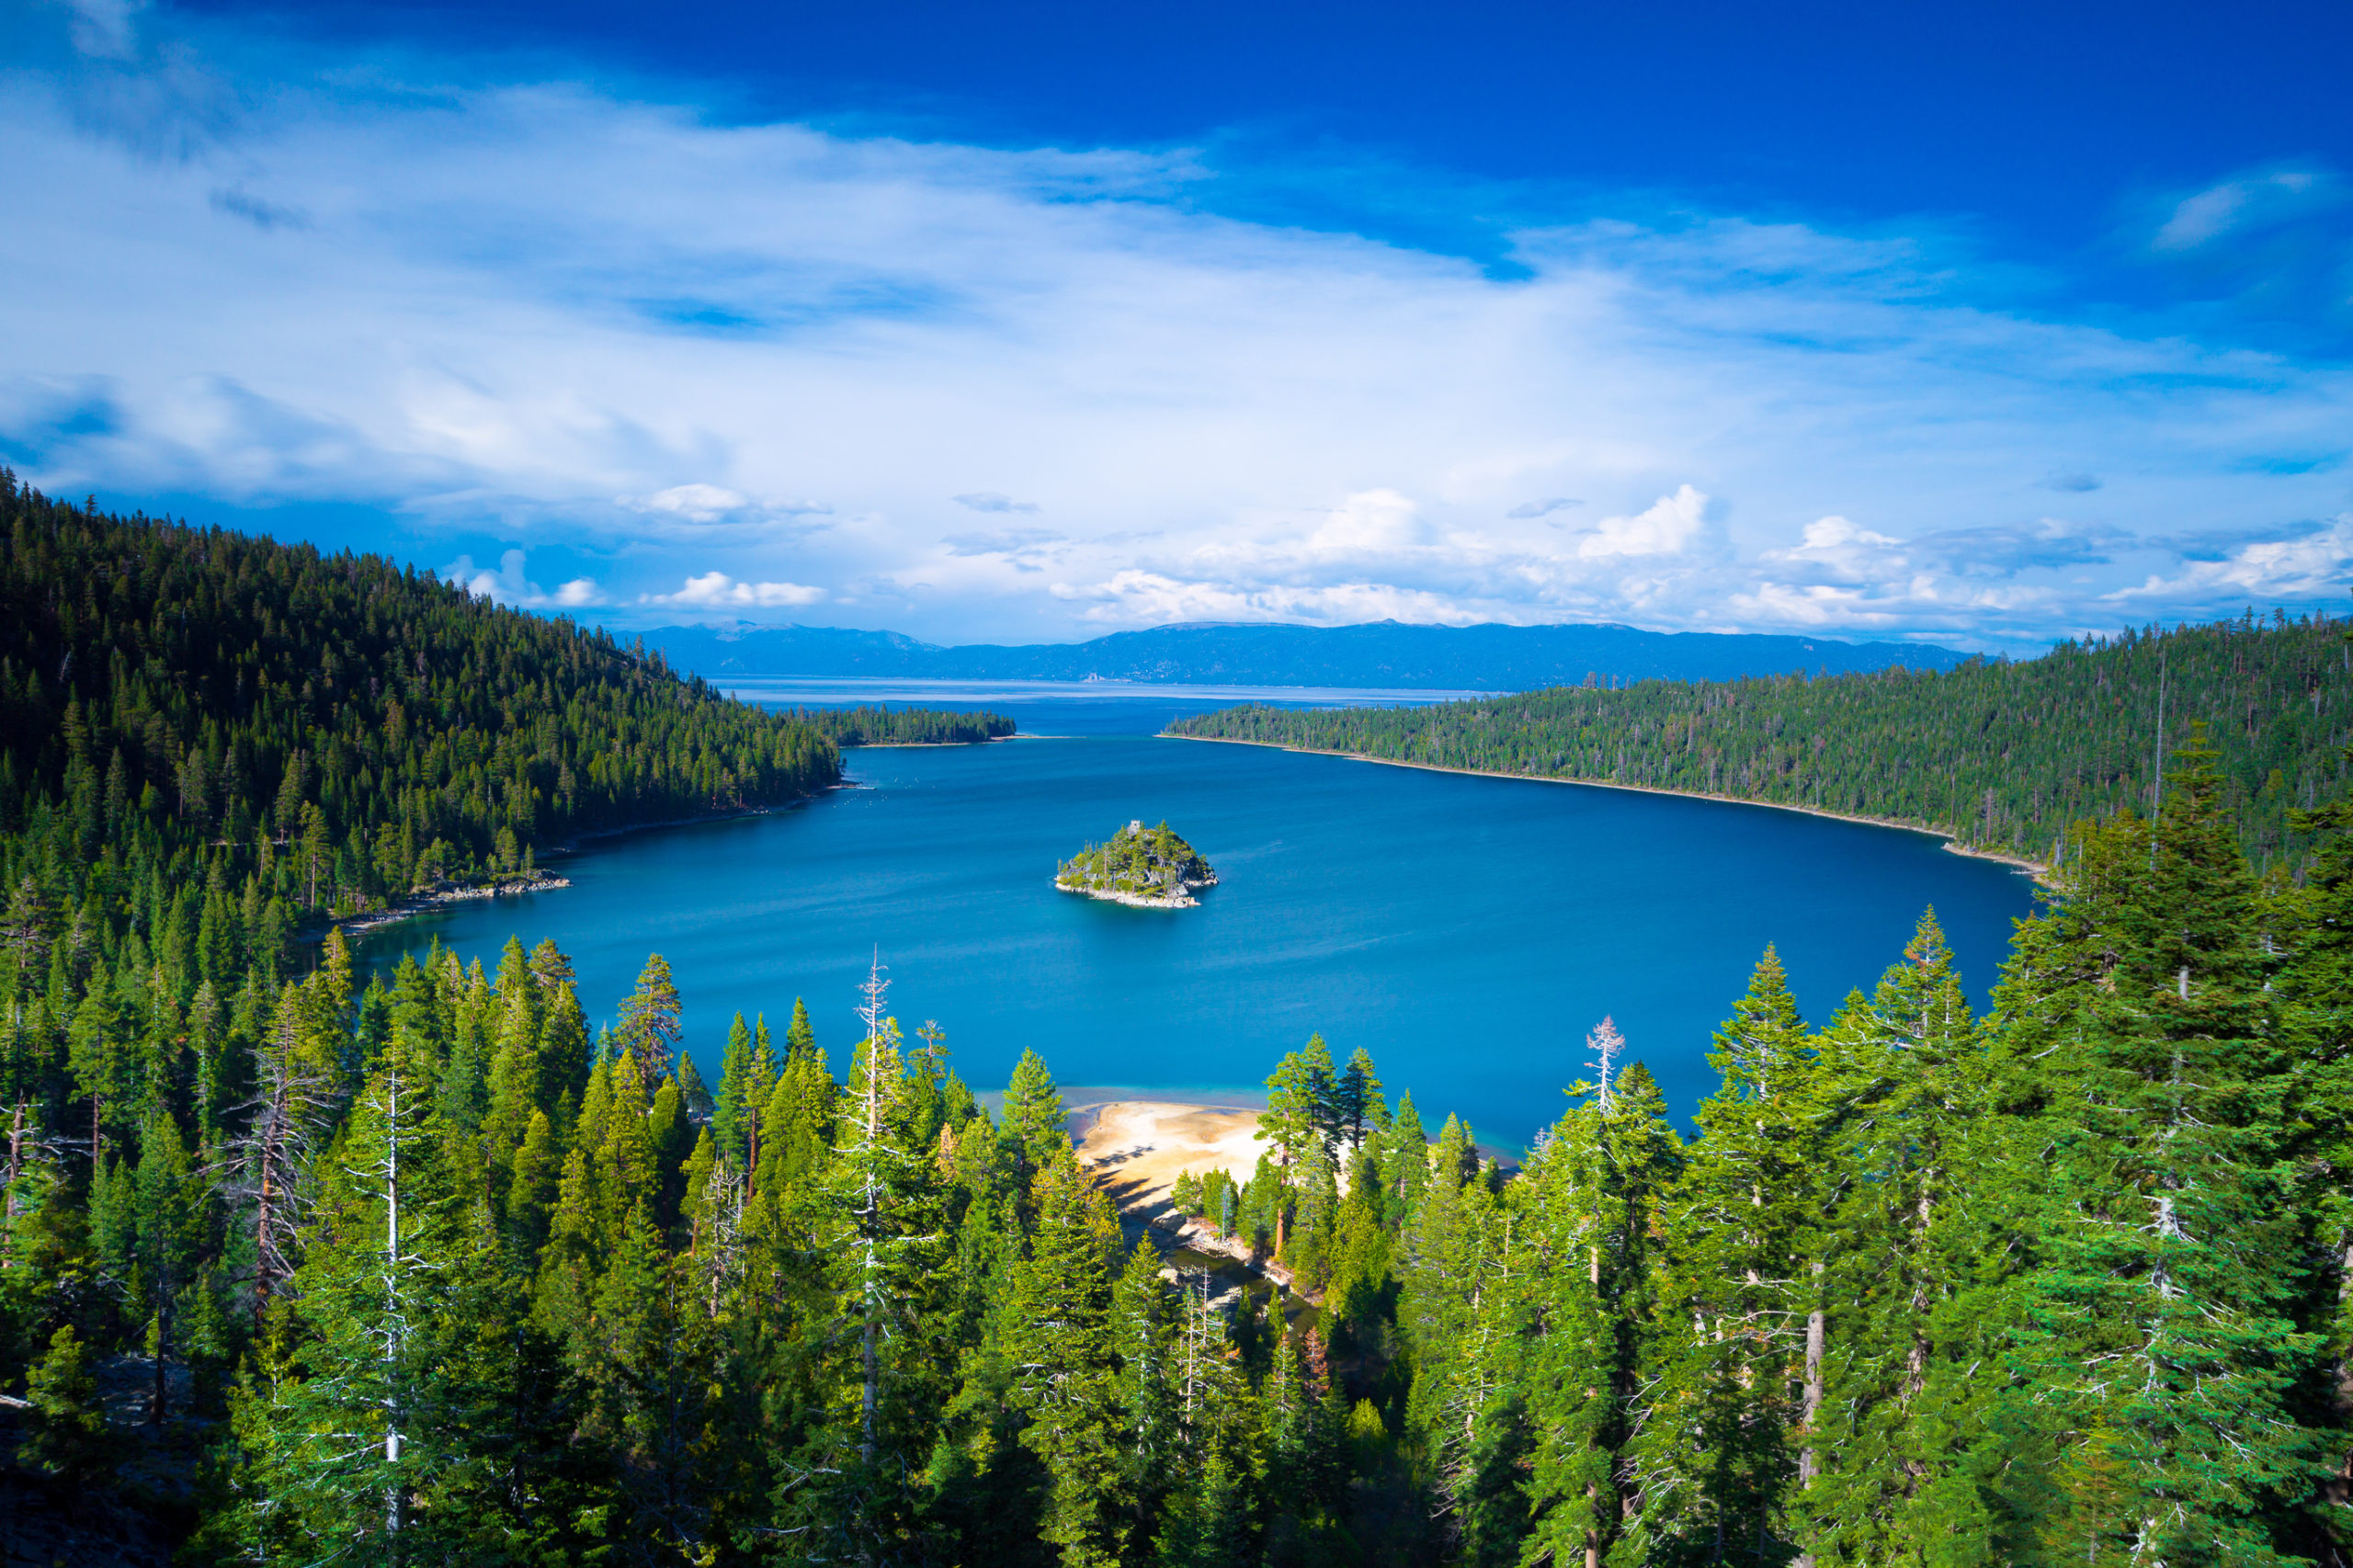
<point>923,745</point>
<point>547,880</point>
<point>1952,846</point>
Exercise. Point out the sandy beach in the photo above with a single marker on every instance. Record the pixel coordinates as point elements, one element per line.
<point>1137,1149</point>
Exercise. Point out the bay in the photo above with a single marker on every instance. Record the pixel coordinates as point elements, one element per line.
<point>1467,931</point>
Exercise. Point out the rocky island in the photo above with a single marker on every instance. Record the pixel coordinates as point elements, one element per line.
<point>1150,868</point>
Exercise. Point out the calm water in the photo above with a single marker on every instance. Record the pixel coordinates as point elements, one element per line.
<point>1467,931</point>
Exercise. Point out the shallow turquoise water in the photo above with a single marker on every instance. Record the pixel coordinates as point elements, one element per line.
<point>1467,931</point>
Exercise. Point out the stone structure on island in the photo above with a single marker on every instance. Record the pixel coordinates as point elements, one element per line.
<point>1150,868</point>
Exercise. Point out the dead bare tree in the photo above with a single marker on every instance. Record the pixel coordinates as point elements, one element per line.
<point>263,1172</point>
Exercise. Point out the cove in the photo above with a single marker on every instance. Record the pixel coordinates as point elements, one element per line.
<point>1468,931</point>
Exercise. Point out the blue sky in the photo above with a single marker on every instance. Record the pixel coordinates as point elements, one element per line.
<point>1034,322</point>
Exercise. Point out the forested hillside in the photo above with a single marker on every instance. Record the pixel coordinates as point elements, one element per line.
<point>2004,757</point>
<point>207,738</point>
<point>422,1273</point>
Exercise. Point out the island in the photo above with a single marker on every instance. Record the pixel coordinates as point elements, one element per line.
<point>1150,868</point>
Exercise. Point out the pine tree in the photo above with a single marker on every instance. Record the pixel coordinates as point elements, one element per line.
<point>360,1431</point>
<point>738,1101</point>
<point>1905,1069</point>
<point>649,1027</point>
<point>1297,1123</point>
<point>2156,1341</point>
<point>530,1194</point>
<point>1035,1127</point>
<point>1060,1340</point>
<point>1142,1338</point>
<point>1734,1345</point>
<point>877,1226</point>
<point>1355,1099</point>
<point>1405,1154</point>
<point>2314,982</point>
<point>168,1218</point>
<point>69,1437</point>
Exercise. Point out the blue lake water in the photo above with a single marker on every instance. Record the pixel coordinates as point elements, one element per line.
<point>1467,931</point>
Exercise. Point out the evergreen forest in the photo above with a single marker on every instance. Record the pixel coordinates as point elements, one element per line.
<point>423,1271</point>
<point>1141,862</point>
<point>212,741</point>
<point>871,724</point>
<point>301,1264</point>
<point>2003,756</point>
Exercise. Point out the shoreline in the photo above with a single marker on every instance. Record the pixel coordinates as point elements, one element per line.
<point>926,745</point>
<point>547,880</point>
<point>1952,845</point>
<point>426,903</point>
<point>1134,900</point>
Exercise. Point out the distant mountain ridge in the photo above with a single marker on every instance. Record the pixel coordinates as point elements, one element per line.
<point>1382,654</point>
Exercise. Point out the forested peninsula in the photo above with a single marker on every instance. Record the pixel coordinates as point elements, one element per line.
<point>209,738</point>
<point>870,725</point>
<point>2003,757</point>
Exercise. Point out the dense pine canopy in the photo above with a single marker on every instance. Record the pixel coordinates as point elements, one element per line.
<point>871,724</point>
<point>194,715</point>
<point>2004,757</point>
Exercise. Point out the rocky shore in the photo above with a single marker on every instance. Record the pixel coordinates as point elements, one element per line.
<point>1182,899</point>
<point>424,903</point>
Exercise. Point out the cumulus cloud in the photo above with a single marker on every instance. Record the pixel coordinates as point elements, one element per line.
<point>701,511</point>
<point>508,585</point>
<point>717,590</point>
<point>2310,564</point>
<point>1667,527</point>
<point>579,319</point>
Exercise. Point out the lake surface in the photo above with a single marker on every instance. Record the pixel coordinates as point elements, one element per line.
<point>1467,931</point>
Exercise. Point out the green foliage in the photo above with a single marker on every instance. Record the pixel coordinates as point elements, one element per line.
<point>873,725</point>
<point>2003,756</point>
<point>2065,1283</point>
<point>321,734</point>
<point>1143,862</point>
<point>69,1431</point>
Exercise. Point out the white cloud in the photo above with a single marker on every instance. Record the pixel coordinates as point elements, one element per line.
<point>508,585</point>
<point>1370,523</point>
<point>699,503</point>
<point>992,501</point>
<point>2219,209</point>
<point>1134,598</point>
<point>1665,527</point>
<point>2314,565</point>
<point>576,319</point>
<point>716,589</point>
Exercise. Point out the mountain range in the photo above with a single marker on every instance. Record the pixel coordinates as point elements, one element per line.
<point>1380,653</point>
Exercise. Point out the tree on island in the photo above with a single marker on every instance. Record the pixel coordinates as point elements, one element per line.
<point>1138,864</point>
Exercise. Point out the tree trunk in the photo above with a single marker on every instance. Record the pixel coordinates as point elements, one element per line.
<point>1809,1462</point>
<point>163,1347</point>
